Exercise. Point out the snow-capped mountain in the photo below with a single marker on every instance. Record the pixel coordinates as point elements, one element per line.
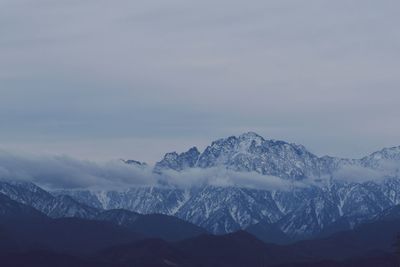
<point>248,152</point>
<point>135,163</point>
<point>178,162</point>
<point>385,158</point>
<point>321,191</point>
<point>53,206</point>
<point>145,200</point>
<point>300,211</point>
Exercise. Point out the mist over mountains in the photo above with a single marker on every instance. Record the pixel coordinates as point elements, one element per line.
<point>241,189</point>
<point>235,183</point>
<point>67,172</point>
<point>248,161</point>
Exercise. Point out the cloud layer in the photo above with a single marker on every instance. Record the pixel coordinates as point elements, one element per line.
<point>360,174</point>
<point>63,172</point>
<point>223,177</point>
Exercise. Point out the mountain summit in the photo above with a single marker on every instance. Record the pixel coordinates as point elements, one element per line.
<point>247,152</point>
<point>250,152</point>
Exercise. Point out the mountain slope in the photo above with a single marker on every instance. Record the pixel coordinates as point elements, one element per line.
<point>26,228</point>
<point>349,248</point>
<point>161,226</point>
<point>298,212</point>
<point>248,152</point>
<point>11,210</point>
<point>87,242</point>
<point>38,198</point>
<point>318,193</point>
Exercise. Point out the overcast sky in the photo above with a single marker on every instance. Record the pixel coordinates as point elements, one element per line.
<point>100,79</point>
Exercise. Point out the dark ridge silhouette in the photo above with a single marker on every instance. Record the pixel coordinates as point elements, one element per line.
<point>269,233</point>
<point>153,225</point>
<point>373,240</point>
<point>377,236</point>
<point>68,235</point>
<point>166,227</point>
<point>150,252</point>
<point>42,258</point>
<point>26,228</point>
<point>11,210</point>
<point>384,260</point>
<point>28,236</point>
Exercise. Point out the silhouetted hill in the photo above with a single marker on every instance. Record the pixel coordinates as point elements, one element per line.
<point>68,235</point>
<point>153,225</point>
<point>237,249</point>
<point>41,258</point>
<point>28,236</point>
<point>269,233</point>
<point>349,248</point>
<point>384,260</point>
<point>377,236</point>
<point>150,252</point>
<point>11,210</point>
<point>26,228</point>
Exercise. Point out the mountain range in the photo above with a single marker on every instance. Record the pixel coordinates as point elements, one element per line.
<point>315,194</point>
<point>240,192</point>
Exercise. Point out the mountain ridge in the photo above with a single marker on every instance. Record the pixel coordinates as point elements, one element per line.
<point>251,152</point>
<point>330,188</point>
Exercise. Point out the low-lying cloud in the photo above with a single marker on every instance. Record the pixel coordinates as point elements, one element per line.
<point>224,177</point>
<point>359,174</point>
<point>64,172</point>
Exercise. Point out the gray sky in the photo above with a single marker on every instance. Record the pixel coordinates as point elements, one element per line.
<point>108,79</point>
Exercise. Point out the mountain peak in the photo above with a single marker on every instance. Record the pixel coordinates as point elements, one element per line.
<point>178,162</point>
<point>134,162</point>
<point>251,138</point>
<point>382,157</point>
<point>193,150</point>
<point>388,153</point>
<point>248,152</point>
<point>250,135</point>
